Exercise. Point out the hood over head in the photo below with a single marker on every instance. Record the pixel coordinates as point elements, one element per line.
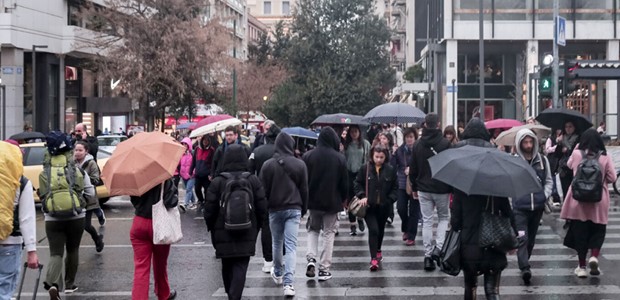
<point>235,159</point>
<point>285,145</point>
<point>272,134</point>
<point>329,138</point>
<point>476,129</point>
<point>187,141</point>
<point>522,134</point>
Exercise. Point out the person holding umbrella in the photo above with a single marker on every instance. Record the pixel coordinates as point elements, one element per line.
<point>408,208</point>
<point>202,159</point>
<point>587,220</point>
<point>356,151</point>
<point>567,142</point>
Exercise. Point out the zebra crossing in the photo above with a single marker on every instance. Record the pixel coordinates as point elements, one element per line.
<point>402,276</point>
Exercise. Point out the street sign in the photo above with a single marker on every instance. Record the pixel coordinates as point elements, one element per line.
<point>453,89</point>
<point>7,70</point>
<point>560,32</point>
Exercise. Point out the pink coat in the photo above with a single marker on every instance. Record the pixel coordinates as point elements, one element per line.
<point>186,160</point>
<point>596,212</point>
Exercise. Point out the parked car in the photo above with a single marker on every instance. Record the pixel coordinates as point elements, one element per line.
<point>109,142</point>
<point>34,154</point>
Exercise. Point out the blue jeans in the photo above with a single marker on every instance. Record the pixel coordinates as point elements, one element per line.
<point>10,264</point>
<point>284,227</point>
<point>189,191</point>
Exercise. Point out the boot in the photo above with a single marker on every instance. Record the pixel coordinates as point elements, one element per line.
<point>429,265</point>
<point>353,230</point>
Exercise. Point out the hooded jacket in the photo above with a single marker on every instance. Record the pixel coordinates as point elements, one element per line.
<point>186,160</point>
<point>540,164</point>
<point>419,170</point>
<point>89,165</point>
<point>475,134</point>
<point>227,243</point>
<point>264,152</point>
<point>202,159</point>
<point>327,173</point>
<point>285,178</point>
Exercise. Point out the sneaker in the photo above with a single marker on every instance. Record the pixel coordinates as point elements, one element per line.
<point>276,279</point>
<point>54,295</point>
<point>361,224</point>
<point>267,265</point>
<point>324,275</point>
<point>390,220</point>
<point>594,268</point>
<point>71,289</point>
<point>379,256</point>
<point>289,291</point>
<point>581,272</point>
<point>102,220</point>
<point>311,268</point>
<point>405,236</point>
<point>182,208</point>
<point>353,230</point>
<point>526,275</point>
<point>410,243</point>
<point>337,233</point>
<point>172,295</point>
<point>374,265</point>
<point>99,244</point>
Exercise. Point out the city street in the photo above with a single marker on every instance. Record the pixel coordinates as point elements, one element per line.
<point>195,273</point>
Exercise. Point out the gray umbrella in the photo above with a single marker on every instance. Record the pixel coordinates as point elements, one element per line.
<point>484,171</point>
<point>28,135</point>
<point>338,119</point>
<point>395,113</point>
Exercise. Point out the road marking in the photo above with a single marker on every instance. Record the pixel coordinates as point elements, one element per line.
<point>85,294</point>
<point>195,245</point>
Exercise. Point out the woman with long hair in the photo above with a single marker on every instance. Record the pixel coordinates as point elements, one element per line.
<point>408,208</point>
<point>587,221</point>
<point>450,134</point>
<point>356,151</point>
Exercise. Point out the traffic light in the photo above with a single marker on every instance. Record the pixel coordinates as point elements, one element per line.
<point>545,83</point>
<point>568,84</point>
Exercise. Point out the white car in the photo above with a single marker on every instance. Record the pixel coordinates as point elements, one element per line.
<point>108,143</point>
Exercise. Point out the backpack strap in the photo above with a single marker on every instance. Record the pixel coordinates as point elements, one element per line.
<point>23,181</point>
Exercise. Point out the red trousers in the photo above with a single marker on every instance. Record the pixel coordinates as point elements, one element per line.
<point>144,250</point>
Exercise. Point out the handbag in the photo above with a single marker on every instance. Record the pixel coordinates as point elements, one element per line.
<point>450,254</point>
<point>356,207</point>
<point>166,223</point>
<point>496,230</point>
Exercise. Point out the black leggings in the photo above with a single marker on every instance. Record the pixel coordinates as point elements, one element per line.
<point>491,284</point>
<point>376,217</point>
<point>566,181</point>
<point>201,183</point>
<point>88,225</point>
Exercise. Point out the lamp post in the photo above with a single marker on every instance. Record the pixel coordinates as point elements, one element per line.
<point>34,84</point>
<point>481,56</point>
<point>3,87</point>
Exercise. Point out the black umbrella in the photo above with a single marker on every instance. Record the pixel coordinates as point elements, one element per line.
<point>28,135</point>
<point>557,117</point>
<point>339,119</point>
<point>484,171</point>
<point>395,113</point>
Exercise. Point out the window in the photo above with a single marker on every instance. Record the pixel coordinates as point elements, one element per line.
<point>286,8</point>
<point>267,8</point>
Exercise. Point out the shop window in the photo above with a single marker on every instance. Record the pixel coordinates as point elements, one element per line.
<point>469,69</point>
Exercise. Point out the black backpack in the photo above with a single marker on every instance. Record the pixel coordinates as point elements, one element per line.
<point>588,182</point>
<point>237,202</point>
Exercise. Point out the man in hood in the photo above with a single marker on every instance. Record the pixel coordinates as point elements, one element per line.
<point>327,183</point>
<point>285,179</point>
<point>528,209</point>
<point>475,134</point>
<point>432,193</point>
<point>231,137</point>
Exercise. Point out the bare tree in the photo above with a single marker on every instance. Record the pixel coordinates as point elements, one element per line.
<point>257,81</point>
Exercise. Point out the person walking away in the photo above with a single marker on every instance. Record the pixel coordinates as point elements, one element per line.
<point>62,186</point>
<point>258,157</point>
<point>587,218</point>
<point>378,178</point>
<point>327,185</point>
<point>567,142</point>
<point>356,151</point>
<point>144,251</point>
<point>231,135</point>
<point>285,179</point>
<point>188,178</point>
<point>87,164</point>
<point>202,160</point>
<point>22,229</point>
<point>432,193</point>
<point>81,134</point>
<point>234,230</point>
<point>450,134</point>
<point>528,209</point>
<point>408,208</point>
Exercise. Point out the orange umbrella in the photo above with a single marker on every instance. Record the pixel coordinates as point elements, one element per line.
<point>140,163</point>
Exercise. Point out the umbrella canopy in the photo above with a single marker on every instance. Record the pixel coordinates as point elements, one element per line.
<point>507,138</point>
<point>211,119</point>
<point>140,163</point>
<point>484,171</point>
<point>395,113</point>
<point>215,126</point>
<point>502,123</point>
<point>28,135</point>
<point>557,117</point>
<point>301,132</point>
<point>186,125</point>
<point>339,119</point>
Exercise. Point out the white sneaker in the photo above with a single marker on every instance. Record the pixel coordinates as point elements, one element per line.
<point>289,291</point>
<point>276,279</point>
<point>581,272</point>
<point>594,268</point>
<point>267,265</point>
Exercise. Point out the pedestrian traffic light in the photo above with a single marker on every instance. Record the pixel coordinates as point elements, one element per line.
<point>568,84</point>
<point>545,82</point>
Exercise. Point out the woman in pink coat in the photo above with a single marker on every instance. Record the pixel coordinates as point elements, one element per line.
<point>587,221</point>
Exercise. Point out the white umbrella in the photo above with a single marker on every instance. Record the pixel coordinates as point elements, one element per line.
<point>215,126</point>
<point>507,138</point>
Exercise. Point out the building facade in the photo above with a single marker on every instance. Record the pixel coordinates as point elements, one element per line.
<point>270,12</point>
<point>255,30</point>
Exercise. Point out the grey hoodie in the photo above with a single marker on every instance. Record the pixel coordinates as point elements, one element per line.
<point>540,164</point>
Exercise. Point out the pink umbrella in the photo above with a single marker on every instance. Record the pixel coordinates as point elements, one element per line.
<point>211,119</point>
<point>502,124</point>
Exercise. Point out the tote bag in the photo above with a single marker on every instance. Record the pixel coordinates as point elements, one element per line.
<point>166,223</point>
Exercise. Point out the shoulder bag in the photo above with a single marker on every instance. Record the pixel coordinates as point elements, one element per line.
<point>356,207</point>
<point>496,230</point>
<point>166,223</point>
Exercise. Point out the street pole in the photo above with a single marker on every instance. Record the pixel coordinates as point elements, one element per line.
<point>481,57</point>
<point>34,85</point>
<point>234,98</point>
<point>454,102</point>
<point>3,87</point>
<point>556,58</point>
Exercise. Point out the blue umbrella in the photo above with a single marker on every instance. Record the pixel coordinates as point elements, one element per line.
<point>301,132</point>
<point>186,125</point>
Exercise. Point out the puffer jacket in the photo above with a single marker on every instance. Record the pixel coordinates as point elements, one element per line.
<point>186,160</point>
<point>540,164</point>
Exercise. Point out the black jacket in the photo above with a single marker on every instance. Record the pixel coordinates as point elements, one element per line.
<point>144,204</point>
<point>420,171</point>
<point>264,152</point>
<point>475,134</point>
<point>219,155</point>
<point>327,173</point>
<point>285,178</point>
<point>227,243</point>
<point>384,184</point>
